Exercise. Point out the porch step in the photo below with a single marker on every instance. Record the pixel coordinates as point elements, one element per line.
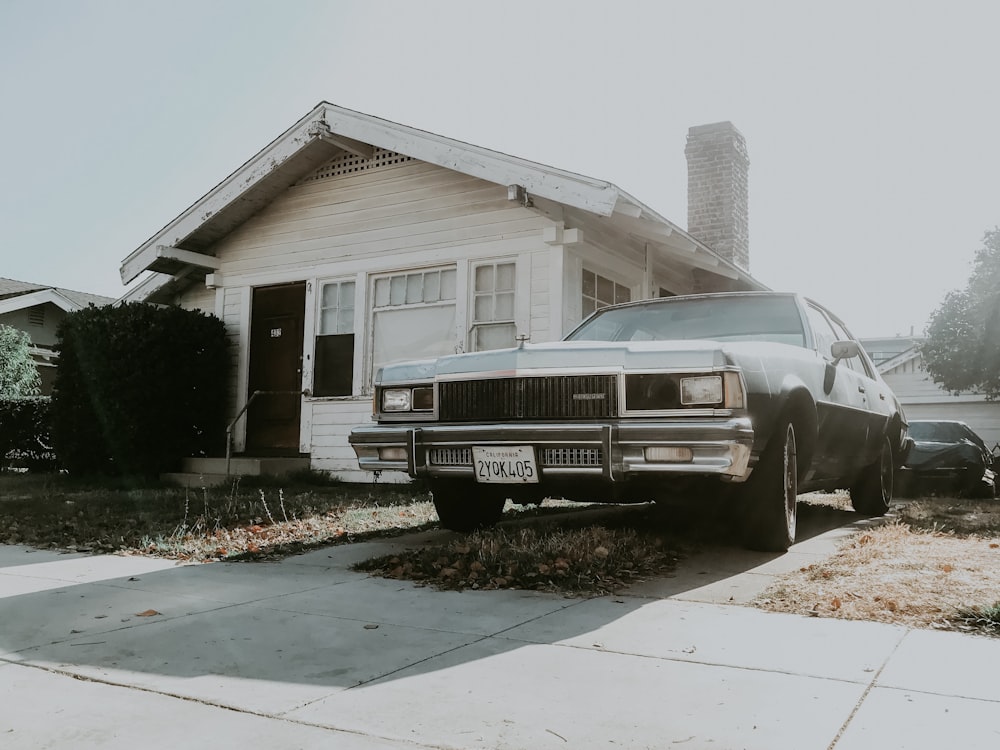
<point>211,472</point>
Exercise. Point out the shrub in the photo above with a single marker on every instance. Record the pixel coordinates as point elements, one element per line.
<point>18,372</point>
<point>25,433</point>
<point>138,388</point>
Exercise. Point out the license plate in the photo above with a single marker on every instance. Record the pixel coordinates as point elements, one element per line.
<point>508,465</point>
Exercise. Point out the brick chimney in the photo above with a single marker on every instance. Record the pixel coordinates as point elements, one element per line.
<point>718,192</point>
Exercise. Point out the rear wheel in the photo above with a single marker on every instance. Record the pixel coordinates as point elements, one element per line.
<point>872,493</point>
<point>462,506</point>
<point>770,502</point>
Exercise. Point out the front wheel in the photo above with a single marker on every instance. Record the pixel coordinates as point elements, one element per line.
<point>770,502</point>
<point>871,494</point>
<point>462,506</point>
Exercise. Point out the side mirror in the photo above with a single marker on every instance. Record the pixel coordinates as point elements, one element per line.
<point>844,350</point>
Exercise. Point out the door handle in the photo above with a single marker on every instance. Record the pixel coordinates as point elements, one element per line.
<point>861,389</point>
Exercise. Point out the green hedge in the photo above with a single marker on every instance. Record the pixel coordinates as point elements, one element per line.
<point>25,433</point>
<point>138,388</point>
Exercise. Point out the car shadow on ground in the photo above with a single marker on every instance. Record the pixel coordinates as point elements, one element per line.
<point>211,632</point>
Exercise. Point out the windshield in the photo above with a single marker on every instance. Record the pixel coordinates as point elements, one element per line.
<point>749,318</point>
<point>941,432</point>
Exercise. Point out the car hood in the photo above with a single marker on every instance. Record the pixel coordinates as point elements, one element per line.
<point>691,355</point>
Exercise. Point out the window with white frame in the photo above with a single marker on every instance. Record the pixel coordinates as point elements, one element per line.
<point>493,325</point>
<point>599,292</point>
<point>333,371</point>
<point>413,316</point>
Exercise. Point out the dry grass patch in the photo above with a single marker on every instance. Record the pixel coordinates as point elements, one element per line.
<point>898,573</point>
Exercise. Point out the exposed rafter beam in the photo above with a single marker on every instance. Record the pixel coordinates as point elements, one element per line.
<point>189,258</point>
<point>322,131</point>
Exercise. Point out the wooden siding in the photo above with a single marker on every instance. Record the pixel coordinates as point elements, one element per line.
<point>371,218</point>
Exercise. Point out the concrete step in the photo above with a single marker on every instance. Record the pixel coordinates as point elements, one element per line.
<point>211,472</point>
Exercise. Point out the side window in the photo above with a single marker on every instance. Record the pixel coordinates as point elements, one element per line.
<point>493,291</point>
<point>822,331</point>
<point>599,292</point>
<point>333,372</point>
<point>413,316</point>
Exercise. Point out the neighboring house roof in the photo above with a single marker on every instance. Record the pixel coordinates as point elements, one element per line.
<point>900,359</point>
<point>326,131</point>
<point>18,295</point>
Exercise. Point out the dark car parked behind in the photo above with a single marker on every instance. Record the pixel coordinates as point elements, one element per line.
<point>947,457</point>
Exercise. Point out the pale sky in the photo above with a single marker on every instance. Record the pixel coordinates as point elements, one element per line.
<point>872,127</point>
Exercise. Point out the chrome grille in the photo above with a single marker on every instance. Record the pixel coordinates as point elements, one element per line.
<point>450,456</point>
<point>562,397</point>
<point>571,457</point>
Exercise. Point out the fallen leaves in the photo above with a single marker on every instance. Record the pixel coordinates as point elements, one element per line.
<point>592,560</point>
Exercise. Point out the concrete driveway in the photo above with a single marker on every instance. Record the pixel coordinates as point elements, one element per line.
<point>130,652</point>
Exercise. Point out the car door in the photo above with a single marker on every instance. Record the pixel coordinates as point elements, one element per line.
<point>841,408</point>
<point>878,402</point>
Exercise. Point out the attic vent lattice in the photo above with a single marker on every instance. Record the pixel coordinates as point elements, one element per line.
<point>36,316</point>
<point>350,163</point>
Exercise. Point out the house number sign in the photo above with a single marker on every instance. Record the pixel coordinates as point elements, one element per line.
<point>275,333</point>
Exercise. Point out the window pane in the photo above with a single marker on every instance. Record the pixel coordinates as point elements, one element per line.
<point>432,286</point>
<point>622,294</point>
<point>588,306</point>
<point>334,371</point>
<point>347,295</point>
<point>330,295</point>
<point>505,277</point>
<point>589,284</point>
<point>345,322</point>
<point>381,292</point>
<point>605,290</point>
<point>497,336</point>
<point>484,279</point>
<point>504,306</point>
<point>484,308</point>
<point>414,288</point>
<point>328,322</point>
<point>413,333</point>
<point>448,284</point>
<point>397,290</point>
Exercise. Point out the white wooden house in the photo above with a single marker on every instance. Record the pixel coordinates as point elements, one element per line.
<point>350,241</point>
<point>38,310</point>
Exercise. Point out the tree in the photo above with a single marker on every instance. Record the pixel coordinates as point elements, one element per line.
<point>962,348</point>
<point>18,372</point>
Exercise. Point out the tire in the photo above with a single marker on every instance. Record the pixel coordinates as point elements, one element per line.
<point>770,502</point>
<point>462,505</point>
<point>871,494</point>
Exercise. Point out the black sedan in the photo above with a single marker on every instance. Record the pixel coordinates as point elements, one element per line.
<point>757,395</point>
<point>947,457</point>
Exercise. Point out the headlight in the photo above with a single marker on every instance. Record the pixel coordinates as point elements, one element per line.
<point>420,398</point>
<point>397,399</point>
<point>702,391</point>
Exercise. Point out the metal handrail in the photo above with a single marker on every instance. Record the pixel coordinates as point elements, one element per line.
<point>246,406</point>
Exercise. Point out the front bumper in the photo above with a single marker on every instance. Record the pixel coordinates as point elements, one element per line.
<point>617,451</point>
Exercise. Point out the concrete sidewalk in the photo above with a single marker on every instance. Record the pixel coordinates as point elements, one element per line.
<point>305,653</point>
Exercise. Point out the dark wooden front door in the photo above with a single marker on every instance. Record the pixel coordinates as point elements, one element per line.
<point>276,365</point>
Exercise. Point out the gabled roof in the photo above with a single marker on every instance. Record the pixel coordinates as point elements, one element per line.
<point>327,131</point>
<point>900,359</point>
<point>18,295</point>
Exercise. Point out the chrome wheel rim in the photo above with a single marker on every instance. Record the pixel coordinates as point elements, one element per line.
<point>790,482</point>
